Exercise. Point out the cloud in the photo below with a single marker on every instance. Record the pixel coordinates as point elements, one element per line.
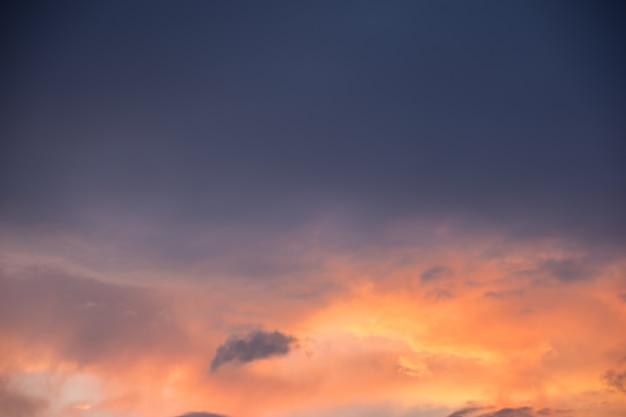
<point>570,269</point>
<point>549,411</point>
<point>465,412</point>
<point>615,380</point>
<point>503,412</point>
<point>201,414</point>
<point>436,273</point>
<point>440,295</point>
<point>83,320</point>
<point>17,404</point>
<point>511,412</point>
<point>255,345</point>
<point>503,294</point>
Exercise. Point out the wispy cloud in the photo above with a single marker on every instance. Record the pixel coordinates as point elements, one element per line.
<point>436,273</point>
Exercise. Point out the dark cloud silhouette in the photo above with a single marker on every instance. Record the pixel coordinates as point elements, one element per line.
<point>255,345</point>
<point>436,273</point>
<point>201,414</point>
<point>84,320</point>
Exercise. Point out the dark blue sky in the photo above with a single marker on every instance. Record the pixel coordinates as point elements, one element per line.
<point>502,113</point>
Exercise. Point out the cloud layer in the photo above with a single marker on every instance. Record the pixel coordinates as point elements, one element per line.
<point>15,403</point>
<point>427,200</point>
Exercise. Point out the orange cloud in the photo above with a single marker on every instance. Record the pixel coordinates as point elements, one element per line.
<point>427,329</point>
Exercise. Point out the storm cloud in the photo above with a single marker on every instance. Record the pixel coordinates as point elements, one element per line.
<point>255,345</point>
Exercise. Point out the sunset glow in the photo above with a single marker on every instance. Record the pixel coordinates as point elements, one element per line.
<point>316,209</point>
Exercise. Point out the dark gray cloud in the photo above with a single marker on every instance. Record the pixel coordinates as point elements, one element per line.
<point>615,380</point>
<point>84,320</point>
<point>15,403</point>
<point>436,273</point>
<point>255,345</point>
<point>201,414</point>
<point>506,116</point>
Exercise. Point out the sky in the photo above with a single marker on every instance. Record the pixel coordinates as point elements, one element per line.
<point>314,208</point>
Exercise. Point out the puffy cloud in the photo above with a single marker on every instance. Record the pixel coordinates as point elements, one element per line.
<point>255,345</point>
